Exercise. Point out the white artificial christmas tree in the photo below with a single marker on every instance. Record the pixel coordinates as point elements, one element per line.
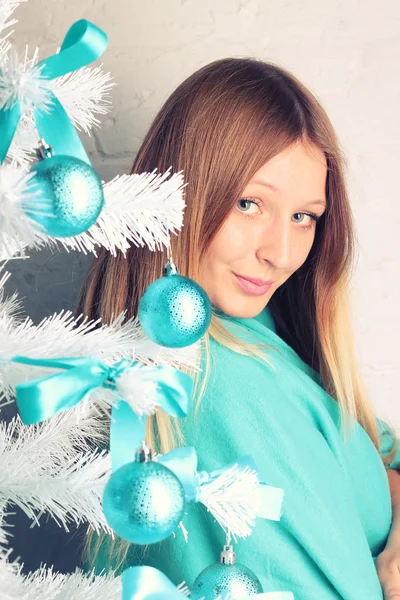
<point>52,467</point>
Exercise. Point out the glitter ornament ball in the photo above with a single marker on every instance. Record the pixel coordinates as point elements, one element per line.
<point>143,502</point>
<point>69,195</point>
<point>226,578</point>
<point>174,311</point>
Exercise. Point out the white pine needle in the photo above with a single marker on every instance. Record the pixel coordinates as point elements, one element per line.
<point>183,589</point>
<point>76,586</point>
<point>137,391</point>
<point>23,83</point>
<point>25,140</point>
<point>17,229</point>
<point>140,209</point>
<point>4,528</point>
<point>7,7</point>
<point>84,93</point>
<point>11,307</point>
<point>45,584</point>
<point>12,250</point>
<point>5,47</point>
<point>150,353</point>
<point>233,498</point>
<point>50,468</point>
<point>10,580</point>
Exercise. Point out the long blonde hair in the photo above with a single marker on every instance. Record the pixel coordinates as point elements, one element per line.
<point>219,127</point>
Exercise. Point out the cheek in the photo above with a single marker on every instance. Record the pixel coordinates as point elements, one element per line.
<point>302,250</point>
<point>231,243</point>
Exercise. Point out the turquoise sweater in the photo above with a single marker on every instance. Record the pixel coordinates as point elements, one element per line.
<point>336,509</point>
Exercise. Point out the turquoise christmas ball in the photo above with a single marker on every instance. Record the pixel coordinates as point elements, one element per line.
<point>68,195</point>
<point>220,580</point>
<point>143,502</point>
<point>175,311</point>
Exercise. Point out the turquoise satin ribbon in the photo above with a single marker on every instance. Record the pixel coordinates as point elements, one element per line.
<point>40,399</point>
<point>83,43</point>
<point>148,583</point>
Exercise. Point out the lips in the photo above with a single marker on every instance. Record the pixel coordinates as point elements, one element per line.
<point>260,282</point>
<point>253,286</point>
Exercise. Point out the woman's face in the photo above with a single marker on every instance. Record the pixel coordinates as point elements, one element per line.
<point>268,233</point>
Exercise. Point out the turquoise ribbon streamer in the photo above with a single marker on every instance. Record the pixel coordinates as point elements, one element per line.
<point>40,399</point>
<point>148,583</point>
<point>83,43</point>
<point>128,431</point>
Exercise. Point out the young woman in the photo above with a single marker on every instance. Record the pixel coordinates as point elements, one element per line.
<point>269,234</point>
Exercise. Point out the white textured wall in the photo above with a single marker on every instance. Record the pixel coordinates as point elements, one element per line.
<point>346,51</point>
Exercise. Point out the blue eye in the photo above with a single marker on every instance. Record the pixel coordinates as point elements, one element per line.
<point>313,219</point>
<point>245,205</point>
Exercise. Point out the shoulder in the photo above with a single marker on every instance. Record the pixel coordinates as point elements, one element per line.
<point>244,362</point>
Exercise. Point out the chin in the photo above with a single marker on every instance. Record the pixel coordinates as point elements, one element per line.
<point>243,308</point>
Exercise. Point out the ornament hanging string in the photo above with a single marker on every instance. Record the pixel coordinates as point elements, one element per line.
<point>40,399</point>
<point>83,43</point>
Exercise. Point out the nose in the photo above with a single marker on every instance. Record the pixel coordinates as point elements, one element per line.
<point>275,243</point>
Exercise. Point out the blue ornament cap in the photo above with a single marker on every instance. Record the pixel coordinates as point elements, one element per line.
<point>174,311</point>
<point>143,502</point>
<point>67,195</point>
<point>226,579</point>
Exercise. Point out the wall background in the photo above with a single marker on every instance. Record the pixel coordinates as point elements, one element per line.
<point>346,52</point>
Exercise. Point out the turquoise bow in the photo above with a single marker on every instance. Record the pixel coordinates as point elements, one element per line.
<point>183,462</point>
<point>83,44</point>
<point>40,399</point>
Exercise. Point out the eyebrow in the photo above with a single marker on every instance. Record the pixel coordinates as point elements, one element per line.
<point>275,189</point>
